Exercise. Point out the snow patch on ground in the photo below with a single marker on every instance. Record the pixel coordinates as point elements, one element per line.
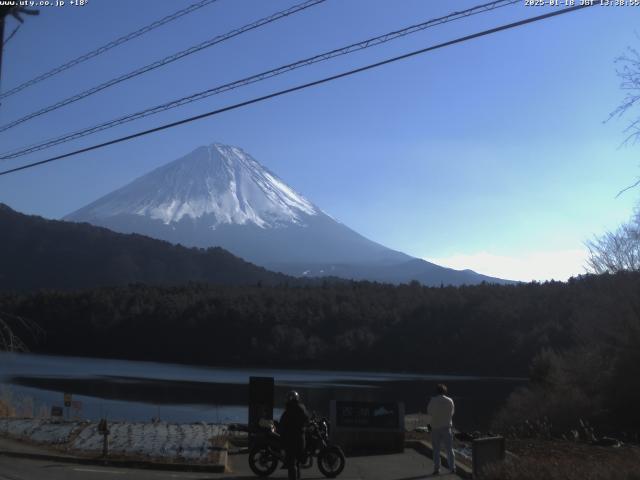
<point>161,440</point>
<point>40,430</point>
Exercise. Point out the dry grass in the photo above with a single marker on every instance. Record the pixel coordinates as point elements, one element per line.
<point>563,460</point>
<point>22,406</point>
<point>6,410</point>
<point>565,469</point>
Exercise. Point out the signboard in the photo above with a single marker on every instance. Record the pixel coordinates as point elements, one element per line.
<point>76,408</point>
<point>367,415</point>
<point>261,391</point>
<point>56,411</point>
<point>368,427</point>
<point>67,400</point>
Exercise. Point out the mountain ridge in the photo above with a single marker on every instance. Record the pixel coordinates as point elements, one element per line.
<point>219,195</point>
<point>217,180</point>
<point>38,253</point>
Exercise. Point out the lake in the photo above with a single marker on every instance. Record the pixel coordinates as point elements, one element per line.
<point>140,391</point>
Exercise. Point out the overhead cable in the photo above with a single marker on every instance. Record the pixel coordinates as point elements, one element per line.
<point>15,30</point>
<point>107,47</point>
<point>368,43</point>
<point>304,86</point>
<point>165,61</point>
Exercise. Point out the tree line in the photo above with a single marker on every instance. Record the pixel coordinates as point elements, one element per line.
<point>577,340</point>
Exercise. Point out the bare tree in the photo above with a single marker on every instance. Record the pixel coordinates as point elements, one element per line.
<point>9,340</point>
<point>620,250</point>
<point>628,71</point>
<point>616,251</point>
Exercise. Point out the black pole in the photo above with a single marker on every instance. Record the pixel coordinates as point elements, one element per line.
<point>15,11</point>
<point>1,46</point>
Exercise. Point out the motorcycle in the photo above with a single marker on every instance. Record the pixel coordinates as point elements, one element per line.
<point>267,451</point>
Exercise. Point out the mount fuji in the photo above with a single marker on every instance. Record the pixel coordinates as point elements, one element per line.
<point>221,196</point>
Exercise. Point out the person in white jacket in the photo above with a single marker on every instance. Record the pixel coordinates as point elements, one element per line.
<point>440,411</point>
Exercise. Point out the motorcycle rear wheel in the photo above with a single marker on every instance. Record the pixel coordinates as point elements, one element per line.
<point>262,461</point>
<point>331,461</point>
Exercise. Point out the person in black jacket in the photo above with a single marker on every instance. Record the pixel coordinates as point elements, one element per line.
<point>291,429</point>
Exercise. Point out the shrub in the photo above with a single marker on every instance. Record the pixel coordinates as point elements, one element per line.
<point>563,469</point>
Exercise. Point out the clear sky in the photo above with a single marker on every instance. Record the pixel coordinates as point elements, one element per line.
<point>490,155</point>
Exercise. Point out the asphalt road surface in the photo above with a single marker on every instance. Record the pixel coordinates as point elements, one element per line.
<point>409,465</point>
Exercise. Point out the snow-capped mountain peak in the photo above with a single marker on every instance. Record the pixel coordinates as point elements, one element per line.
<point>220,182</point>
<point>219,196</point>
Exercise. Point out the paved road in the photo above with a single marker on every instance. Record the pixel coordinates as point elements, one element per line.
<point>23,469</point>
<point>409,465</point>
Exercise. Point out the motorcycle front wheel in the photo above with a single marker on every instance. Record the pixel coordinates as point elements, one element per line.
<point>331,461</point>
<point>262,461</point>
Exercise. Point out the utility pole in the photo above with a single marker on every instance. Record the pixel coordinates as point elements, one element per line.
<point>15,12</point>
<point>3,13</point>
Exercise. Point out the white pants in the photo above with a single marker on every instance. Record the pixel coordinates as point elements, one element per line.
<point>439,436</point>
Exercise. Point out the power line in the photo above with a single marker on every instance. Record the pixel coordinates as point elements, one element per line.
<point>305,86</point>
<point>16,11</point>
<point>15,30</point>
<point>259,77</point>
<point>166,61</point>
<point>108,46</point>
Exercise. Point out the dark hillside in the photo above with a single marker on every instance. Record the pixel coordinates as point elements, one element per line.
<point>36,253</point>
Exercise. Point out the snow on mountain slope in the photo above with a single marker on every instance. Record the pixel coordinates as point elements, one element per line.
<point>219,181</point>
<point>220,196</point>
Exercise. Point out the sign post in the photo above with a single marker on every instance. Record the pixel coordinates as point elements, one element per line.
<point>103,428</point>
<point>67,404</point>
<point>261,391</point>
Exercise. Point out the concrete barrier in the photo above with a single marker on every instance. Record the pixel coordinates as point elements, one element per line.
<point>485,451</point>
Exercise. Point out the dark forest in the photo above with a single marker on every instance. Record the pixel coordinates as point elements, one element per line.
<point>576,341</point>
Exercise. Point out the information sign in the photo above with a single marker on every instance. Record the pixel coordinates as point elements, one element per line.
<point>376,415</point>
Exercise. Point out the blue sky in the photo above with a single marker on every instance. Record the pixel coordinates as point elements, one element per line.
<point>490,155</point>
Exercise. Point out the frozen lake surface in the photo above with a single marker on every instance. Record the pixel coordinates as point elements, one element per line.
<point>141,391</point>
